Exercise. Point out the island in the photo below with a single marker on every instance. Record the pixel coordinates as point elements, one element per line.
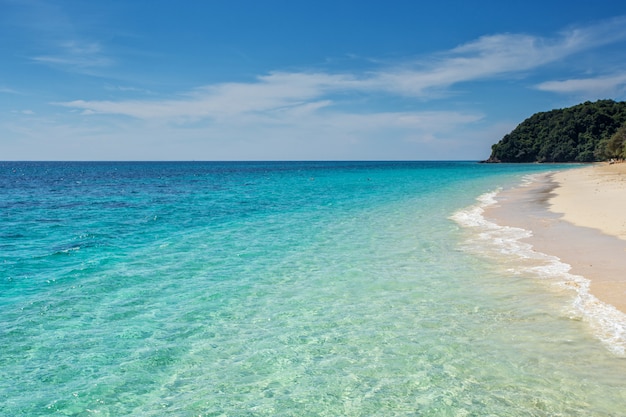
<point>587,132</point>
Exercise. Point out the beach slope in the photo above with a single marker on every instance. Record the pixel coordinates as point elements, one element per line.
<point>578,215</point>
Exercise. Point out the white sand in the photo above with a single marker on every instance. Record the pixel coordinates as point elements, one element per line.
<point>593,197</point>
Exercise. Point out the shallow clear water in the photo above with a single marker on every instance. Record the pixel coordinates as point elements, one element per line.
<point>279,289</point>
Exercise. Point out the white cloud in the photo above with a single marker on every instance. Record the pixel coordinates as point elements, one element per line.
<point>431,123</point>
<point>127,89</point>
<point>62,37</point>
<point>7,90</point>
<point>310,115</point>
<point>495,56</point>
<point>486,57</point>
<point>273,92</point>
<point>598,86</point>
<point>75,55</point>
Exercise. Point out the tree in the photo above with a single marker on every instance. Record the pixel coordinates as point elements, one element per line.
<point>616,146</point>
<point>582,133</point>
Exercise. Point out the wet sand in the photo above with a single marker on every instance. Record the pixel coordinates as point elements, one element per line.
<point>579,216</point>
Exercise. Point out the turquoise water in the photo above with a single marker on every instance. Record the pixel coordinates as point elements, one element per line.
<point>280,289</point>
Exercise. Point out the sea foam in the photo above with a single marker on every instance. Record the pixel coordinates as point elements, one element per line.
<point>504,244</point>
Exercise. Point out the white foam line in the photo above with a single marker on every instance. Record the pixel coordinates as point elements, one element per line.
<point>607,322</point>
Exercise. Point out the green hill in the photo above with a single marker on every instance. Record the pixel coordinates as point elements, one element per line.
<point>580,133</point>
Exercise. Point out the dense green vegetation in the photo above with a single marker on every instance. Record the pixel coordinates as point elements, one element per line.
<point>587,132</point>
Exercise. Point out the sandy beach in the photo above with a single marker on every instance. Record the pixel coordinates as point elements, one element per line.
<point>593,197</point>
<point>578,215</point>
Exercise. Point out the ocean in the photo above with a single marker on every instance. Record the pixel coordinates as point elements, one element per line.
<point>286,289</point>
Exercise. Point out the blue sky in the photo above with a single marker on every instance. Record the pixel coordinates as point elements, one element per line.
<point>294,80</point>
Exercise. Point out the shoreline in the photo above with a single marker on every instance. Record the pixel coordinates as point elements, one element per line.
<point>579,216</point>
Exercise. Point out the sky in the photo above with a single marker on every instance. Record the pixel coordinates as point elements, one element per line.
<point>295,80</point>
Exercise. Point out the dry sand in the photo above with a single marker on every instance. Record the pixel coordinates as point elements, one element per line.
<point>578,215</point>
<point>593,197</point>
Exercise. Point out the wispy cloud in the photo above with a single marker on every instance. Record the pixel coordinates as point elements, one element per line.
<point>495,56</point>
<point>128,89</point>
<point>75,55</point>
<point>7,90</point>
<point>58,38</point>
<point>487,57</point>
<point>299,113</point>
<point>273,92</point>
<point>601,85</point>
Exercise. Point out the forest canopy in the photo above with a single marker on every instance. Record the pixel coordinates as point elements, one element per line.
<point>588,132</point>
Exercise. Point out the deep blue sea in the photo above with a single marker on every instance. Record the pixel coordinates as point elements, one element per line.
<point>285,289</point>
